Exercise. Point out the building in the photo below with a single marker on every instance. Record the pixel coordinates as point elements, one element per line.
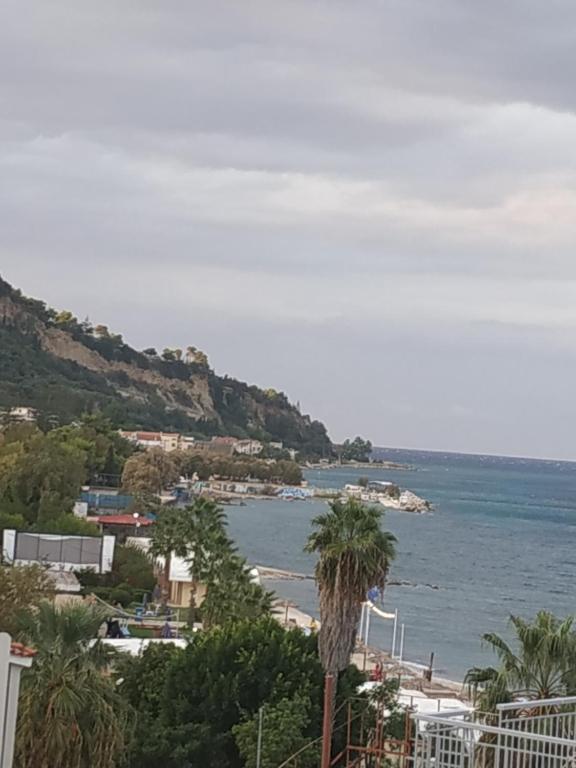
<point>166,441</point>
<point>14,657</point>
<point>58,552</point>
<point>248,447</point>
<point>180,581</point>
<point>224,440</point>
<point>23,413</point>
<point>122,526</point>
<point>213,448</point>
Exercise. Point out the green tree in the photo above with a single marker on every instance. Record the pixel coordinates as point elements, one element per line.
<point>225,675</point>
<point>70,713</point>
<point>40,478</point>
<point>541,665</point>
<point>283,734</point>
<point>21,587</point>
<point>142,682</point>
<point>168,538</point>
<point>354,555</point>
<point>150,472</point>
<point>207,545</point>
<point>356,450</point>
<point>189,701</point>
<point>232,595</point>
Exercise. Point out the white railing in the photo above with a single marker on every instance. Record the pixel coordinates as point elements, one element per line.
<point>536,734</point>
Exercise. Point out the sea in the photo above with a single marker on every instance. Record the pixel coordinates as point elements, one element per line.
<point>501,540</point>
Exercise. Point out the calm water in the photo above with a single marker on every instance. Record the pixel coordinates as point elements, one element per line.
<point>501,540</point>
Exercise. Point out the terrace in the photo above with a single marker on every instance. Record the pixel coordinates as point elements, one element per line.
<point>535,734</point>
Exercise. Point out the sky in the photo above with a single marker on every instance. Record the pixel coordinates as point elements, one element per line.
<point>369,205</point>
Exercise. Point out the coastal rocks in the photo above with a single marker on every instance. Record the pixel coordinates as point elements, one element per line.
<point>409,502</point>
<point>389,495</point>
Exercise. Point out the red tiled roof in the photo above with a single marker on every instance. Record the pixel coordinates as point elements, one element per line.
<point>18,649</point>
<point>123,520</point>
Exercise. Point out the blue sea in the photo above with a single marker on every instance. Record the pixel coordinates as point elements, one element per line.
<point>501,540</point>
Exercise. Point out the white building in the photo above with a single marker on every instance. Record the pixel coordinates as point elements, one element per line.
<point>64,553</point>
<point>248,447</point>
<point>166,441</point>
<point>23,413</point>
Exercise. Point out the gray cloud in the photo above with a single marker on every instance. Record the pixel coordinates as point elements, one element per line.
<point>330,197</point>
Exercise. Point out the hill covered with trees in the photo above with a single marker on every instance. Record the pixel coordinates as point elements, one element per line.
<point>65,367</point>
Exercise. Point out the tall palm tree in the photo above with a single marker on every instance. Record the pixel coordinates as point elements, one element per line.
<point>207,544</point>
<point>354,556</point>
<point>168,537</point>
<point>542,666</point>
<point>70,714</point>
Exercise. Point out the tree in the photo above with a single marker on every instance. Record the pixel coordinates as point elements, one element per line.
<point>40,478</point>
<point>232,595</point>
<point>542,666</point>
<point>70,713</point>
<point>207,545</point>
<point>151,472</point>
<point>283,727</point>
<point>225,675</point>
<point>189,701</point>
<point>21,587</point>
<point>354,556</point>
<point>142,682</point>
<point>168,538</point>
<point>356,450</point>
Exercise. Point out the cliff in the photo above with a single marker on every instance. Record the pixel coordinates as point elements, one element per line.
<point>51,361</point>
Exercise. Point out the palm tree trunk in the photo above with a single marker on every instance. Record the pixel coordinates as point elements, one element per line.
<point>192,604</point>
<point>165,586</point>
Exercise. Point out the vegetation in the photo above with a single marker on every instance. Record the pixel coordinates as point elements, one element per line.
<point>150,472</point>
<point>63,389</point>
<point>195,706</point>
<point>21,588</point>
<point>356,450</point>
<point>198,534</point>
<point>132,576</point>
<point>240,468</point>
<point>70,714</point>
<point>283,734</point>
<point>354,556</point>
<point>41,473</point>
<point>541,665</point>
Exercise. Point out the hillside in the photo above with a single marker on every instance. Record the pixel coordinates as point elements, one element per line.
<point>51,361</point>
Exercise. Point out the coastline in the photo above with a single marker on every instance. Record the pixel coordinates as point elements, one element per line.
<point>366,658</point>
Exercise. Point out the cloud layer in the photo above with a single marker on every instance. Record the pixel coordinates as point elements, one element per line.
<point>371,205</point>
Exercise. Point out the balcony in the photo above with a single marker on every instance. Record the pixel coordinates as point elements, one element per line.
<point>535,734</point>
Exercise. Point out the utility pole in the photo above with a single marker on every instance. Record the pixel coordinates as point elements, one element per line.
<point>394,632</point>
<point>402,643</point>
<point>327,726</point>
<point>367,624</point>
<point>259,743</point>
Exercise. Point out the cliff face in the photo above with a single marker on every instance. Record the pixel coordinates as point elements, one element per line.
<point>51,361</point>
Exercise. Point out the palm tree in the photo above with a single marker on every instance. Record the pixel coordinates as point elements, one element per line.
<point>207,544</point>
<point>168,537</point>
<point>542,667</point>
<point>70,714</point>
<point>354,556</point>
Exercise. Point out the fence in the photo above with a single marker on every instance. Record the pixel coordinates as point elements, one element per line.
<point>537,734</point>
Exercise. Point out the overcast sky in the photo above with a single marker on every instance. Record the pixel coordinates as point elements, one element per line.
<point>368,204</point>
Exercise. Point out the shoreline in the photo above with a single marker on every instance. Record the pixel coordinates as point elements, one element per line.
<point>365,658</point>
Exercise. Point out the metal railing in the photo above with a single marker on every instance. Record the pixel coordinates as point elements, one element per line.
<point>535,734</point>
